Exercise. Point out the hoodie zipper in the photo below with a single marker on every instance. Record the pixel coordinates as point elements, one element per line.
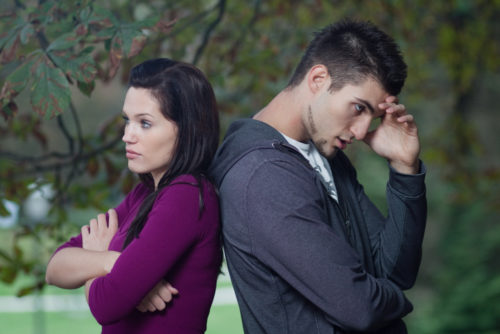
<point>341,207</point>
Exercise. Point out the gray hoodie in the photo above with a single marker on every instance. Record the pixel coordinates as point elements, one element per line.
<point>302,263</point>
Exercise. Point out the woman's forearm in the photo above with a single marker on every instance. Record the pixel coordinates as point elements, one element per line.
<point>71,267</point>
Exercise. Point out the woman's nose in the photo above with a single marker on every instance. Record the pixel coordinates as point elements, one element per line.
<point>128,134</point>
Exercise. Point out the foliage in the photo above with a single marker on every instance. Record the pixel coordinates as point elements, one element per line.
<point>50,51</point>
<point>46,49</point>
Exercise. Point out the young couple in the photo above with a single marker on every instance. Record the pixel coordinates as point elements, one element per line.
<point>306,249</point>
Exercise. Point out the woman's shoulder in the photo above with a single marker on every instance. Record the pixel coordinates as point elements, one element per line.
<point>188,183</point>
<point>188,192</point>
<point>192,180</point>
<point>139,191</point>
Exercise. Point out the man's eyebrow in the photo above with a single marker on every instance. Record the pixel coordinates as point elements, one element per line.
<point>367,104</point>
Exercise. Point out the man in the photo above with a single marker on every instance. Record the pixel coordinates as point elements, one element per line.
<point>306,250</point>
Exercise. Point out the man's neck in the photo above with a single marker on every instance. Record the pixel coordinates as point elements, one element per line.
<point>284,113</point>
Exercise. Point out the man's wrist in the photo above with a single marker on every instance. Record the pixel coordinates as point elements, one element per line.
<point>403,168</point>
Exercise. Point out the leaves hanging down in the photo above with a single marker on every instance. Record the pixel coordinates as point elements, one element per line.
<point>50,94</point>
<point>14,84</point>
<point>10,39</point>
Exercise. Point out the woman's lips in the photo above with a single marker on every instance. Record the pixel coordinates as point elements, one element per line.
<point>132,154</point>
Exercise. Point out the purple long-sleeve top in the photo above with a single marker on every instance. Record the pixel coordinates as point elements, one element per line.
<point>176,244</point>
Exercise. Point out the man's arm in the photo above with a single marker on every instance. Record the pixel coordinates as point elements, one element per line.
<point>396,241</point>
<point>290,234</point>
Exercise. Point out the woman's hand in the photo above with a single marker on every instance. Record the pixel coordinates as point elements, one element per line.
<point>98,234</point>
<point>158,298</point>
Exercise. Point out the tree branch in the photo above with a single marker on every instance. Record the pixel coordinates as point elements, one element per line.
<point>75,159</point>
<point>206,36</point>
<point>78,126</point>
<point>251,23</point>
<point>67,135</point>
<point>188,24</point>
<point>30,159</point>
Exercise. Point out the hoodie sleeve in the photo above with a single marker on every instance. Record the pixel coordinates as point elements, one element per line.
<point>396,240</point>
<point>288,232</point>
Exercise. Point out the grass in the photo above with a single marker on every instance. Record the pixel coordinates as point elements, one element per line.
<point>222,320</point>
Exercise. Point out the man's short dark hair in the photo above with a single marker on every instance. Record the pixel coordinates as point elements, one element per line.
<point>353,51</point>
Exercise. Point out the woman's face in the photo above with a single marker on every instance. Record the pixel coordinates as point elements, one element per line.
<point>149,137</point>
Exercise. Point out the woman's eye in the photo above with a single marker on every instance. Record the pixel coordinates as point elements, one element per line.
<point>125,118</point>
<point>145,124</point>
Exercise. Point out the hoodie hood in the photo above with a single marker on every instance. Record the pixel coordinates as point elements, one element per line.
<point>241,139</point>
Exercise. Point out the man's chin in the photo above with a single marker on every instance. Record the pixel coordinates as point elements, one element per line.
<point>330,154</point>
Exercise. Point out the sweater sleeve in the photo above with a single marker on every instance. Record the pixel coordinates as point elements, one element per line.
<point>122,210</point>
<point>396,240</point>
<point>289,233</point>
<point>171,229</point>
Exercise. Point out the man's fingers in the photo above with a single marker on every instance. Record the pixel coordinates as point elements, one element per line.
<point>394,108</point>
<point>406,118</point>
<point>391,99</point>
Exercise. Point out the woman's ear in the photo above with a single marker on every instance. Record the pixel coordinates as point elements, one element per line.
<point>317,78</point>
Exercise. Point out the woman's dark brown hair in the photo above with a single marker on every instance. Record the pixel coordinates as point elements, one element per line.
<point>185,97</point>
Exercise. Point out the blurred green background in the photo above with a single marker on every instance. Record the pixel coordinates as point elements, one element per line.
<point>63,66</point>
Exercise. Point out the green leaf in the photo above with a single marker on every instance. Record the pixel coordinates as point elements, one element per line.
<point>86,88</point>
<point>8,38</point>
<point>26,291</point>
<point>101,14</point>
<point>5,256</point>
<point>26,32</point>
<point>85,14</point>
<point>126,37</point>
<point>50,94</point>
<point>64,42</point>
<point>8,274</point>
<point>81,68</point>
<point>20,77</point>
<point>3,210</point>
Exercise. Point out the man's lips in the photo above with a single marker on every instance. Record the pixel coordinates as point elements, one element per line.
<point>342,144</point>
<point>132,154</point>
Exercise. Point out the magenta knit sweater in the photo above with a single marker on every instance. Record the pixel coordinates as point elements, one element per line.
<point>176,244</point>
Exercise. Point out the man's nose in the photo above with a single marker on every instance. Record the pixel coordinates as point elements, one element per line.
<point>360,128</point>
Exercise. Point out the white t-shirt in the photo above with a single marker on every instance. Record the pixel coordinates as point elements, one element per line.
<point>318,162</point>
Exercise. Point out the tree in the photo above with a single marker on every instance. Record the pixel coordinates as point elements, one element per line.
<point>46,49</point>
<point>50,51</point>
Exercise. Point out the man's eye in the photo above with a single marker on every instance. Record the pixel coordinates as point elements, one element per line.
<point>359,107</point>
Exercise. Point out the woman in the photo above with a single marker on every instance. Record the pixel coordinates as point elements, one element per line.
<point>151,264</point>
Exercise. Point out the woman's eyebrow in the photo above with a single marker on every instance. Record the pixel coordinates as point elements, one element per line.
<point>124,113</point>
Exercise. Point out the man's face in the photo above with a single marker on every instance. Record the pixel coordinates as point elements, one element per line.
<point>334,119</point>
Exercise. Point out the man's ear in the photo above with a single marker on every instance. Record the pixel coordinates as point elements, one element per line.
<point>317,78</point>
